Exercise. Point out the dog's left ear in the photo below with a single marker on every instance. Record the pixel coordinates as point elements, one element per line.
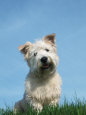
<point>50,38</point>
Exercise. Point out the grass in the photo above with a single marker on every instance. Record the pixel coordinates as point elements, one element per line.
<point>74,108</point>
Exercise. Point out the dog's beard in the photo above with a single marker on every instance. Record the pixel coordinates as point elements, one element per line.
<point>43,70</point>
<point>46,69</point>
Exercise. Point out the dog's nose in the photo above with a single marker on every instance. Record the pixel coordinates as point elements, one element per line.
<point>44,59</point>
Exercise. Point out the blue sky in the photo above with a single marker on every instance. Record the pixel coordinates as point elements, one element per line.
<point>27,20</point>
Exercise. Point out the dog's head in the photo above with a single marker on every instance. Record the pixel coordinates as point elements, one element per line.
<point>41,56</point>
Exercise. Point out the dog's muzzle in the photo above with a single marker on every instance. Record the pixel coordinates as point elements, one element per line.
<point>45,63</point>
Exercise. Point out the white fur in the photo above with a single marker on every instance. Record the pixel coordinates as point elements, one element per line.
<point>41,88</point>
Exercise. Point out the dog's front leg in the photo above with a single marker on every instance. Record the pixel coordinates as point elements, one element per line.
<point>54,102</point>
<point>36,105</point>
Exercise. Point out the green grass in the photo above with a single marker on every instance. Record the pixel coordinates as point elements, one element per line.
<point>74,108</point>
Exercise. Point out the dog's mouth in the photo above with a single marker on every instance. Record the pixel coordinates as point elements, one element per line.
<point>46,66</point>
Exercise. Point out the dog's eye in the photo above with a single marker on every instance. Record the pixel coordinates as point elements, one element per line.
<point>47,50</point>
<point>35,53</point>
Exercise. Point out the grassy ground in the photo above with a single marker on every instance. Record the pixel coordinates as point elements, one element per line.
<point>73,108</point>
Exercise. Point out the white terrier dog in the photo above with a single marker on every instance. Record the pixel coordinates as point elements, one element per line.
<point>43,83</point>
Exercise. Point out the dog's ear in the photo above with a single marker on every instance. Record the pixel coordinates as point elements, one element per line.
<point>24,48</point>
<point>50,38</point>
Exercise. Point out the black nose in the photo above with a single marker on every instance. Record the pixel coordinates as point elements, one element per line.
<point>44,59</point>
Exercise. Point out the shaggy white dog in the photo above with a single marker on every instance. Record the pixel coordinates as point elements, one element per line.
<point>43,83</point>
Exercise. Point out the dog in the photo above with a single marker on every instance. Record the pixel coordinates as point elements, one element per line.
<point>43,83</point>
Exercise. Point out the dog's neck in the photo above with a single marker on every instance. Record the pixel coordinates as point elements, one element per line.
<point>42,75</point>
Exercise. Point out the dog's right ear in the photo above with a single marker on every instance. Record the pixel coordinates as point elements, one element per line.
<point>24,48</point>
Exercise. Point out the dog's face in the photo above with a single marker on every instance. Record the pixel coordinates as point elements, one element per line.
<point>41,56</point>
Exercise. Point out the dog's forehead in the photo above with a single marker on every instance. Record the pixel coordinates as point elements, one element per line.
<point>41,45</point>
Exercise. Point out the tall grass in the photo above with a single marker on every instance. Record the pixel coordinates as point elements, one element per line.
<point>74,108</point>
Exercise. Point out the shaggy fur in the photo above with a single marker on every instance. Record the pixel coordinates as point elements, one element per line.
<point>43,83</point>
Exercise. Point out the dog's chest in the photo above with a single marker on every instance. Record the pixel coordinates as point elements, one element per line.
<point>44,90</point>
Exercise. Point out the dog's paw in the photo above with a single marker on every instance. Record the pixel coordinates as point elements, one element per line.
<point>37,106</point>
<point>54,102</point>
